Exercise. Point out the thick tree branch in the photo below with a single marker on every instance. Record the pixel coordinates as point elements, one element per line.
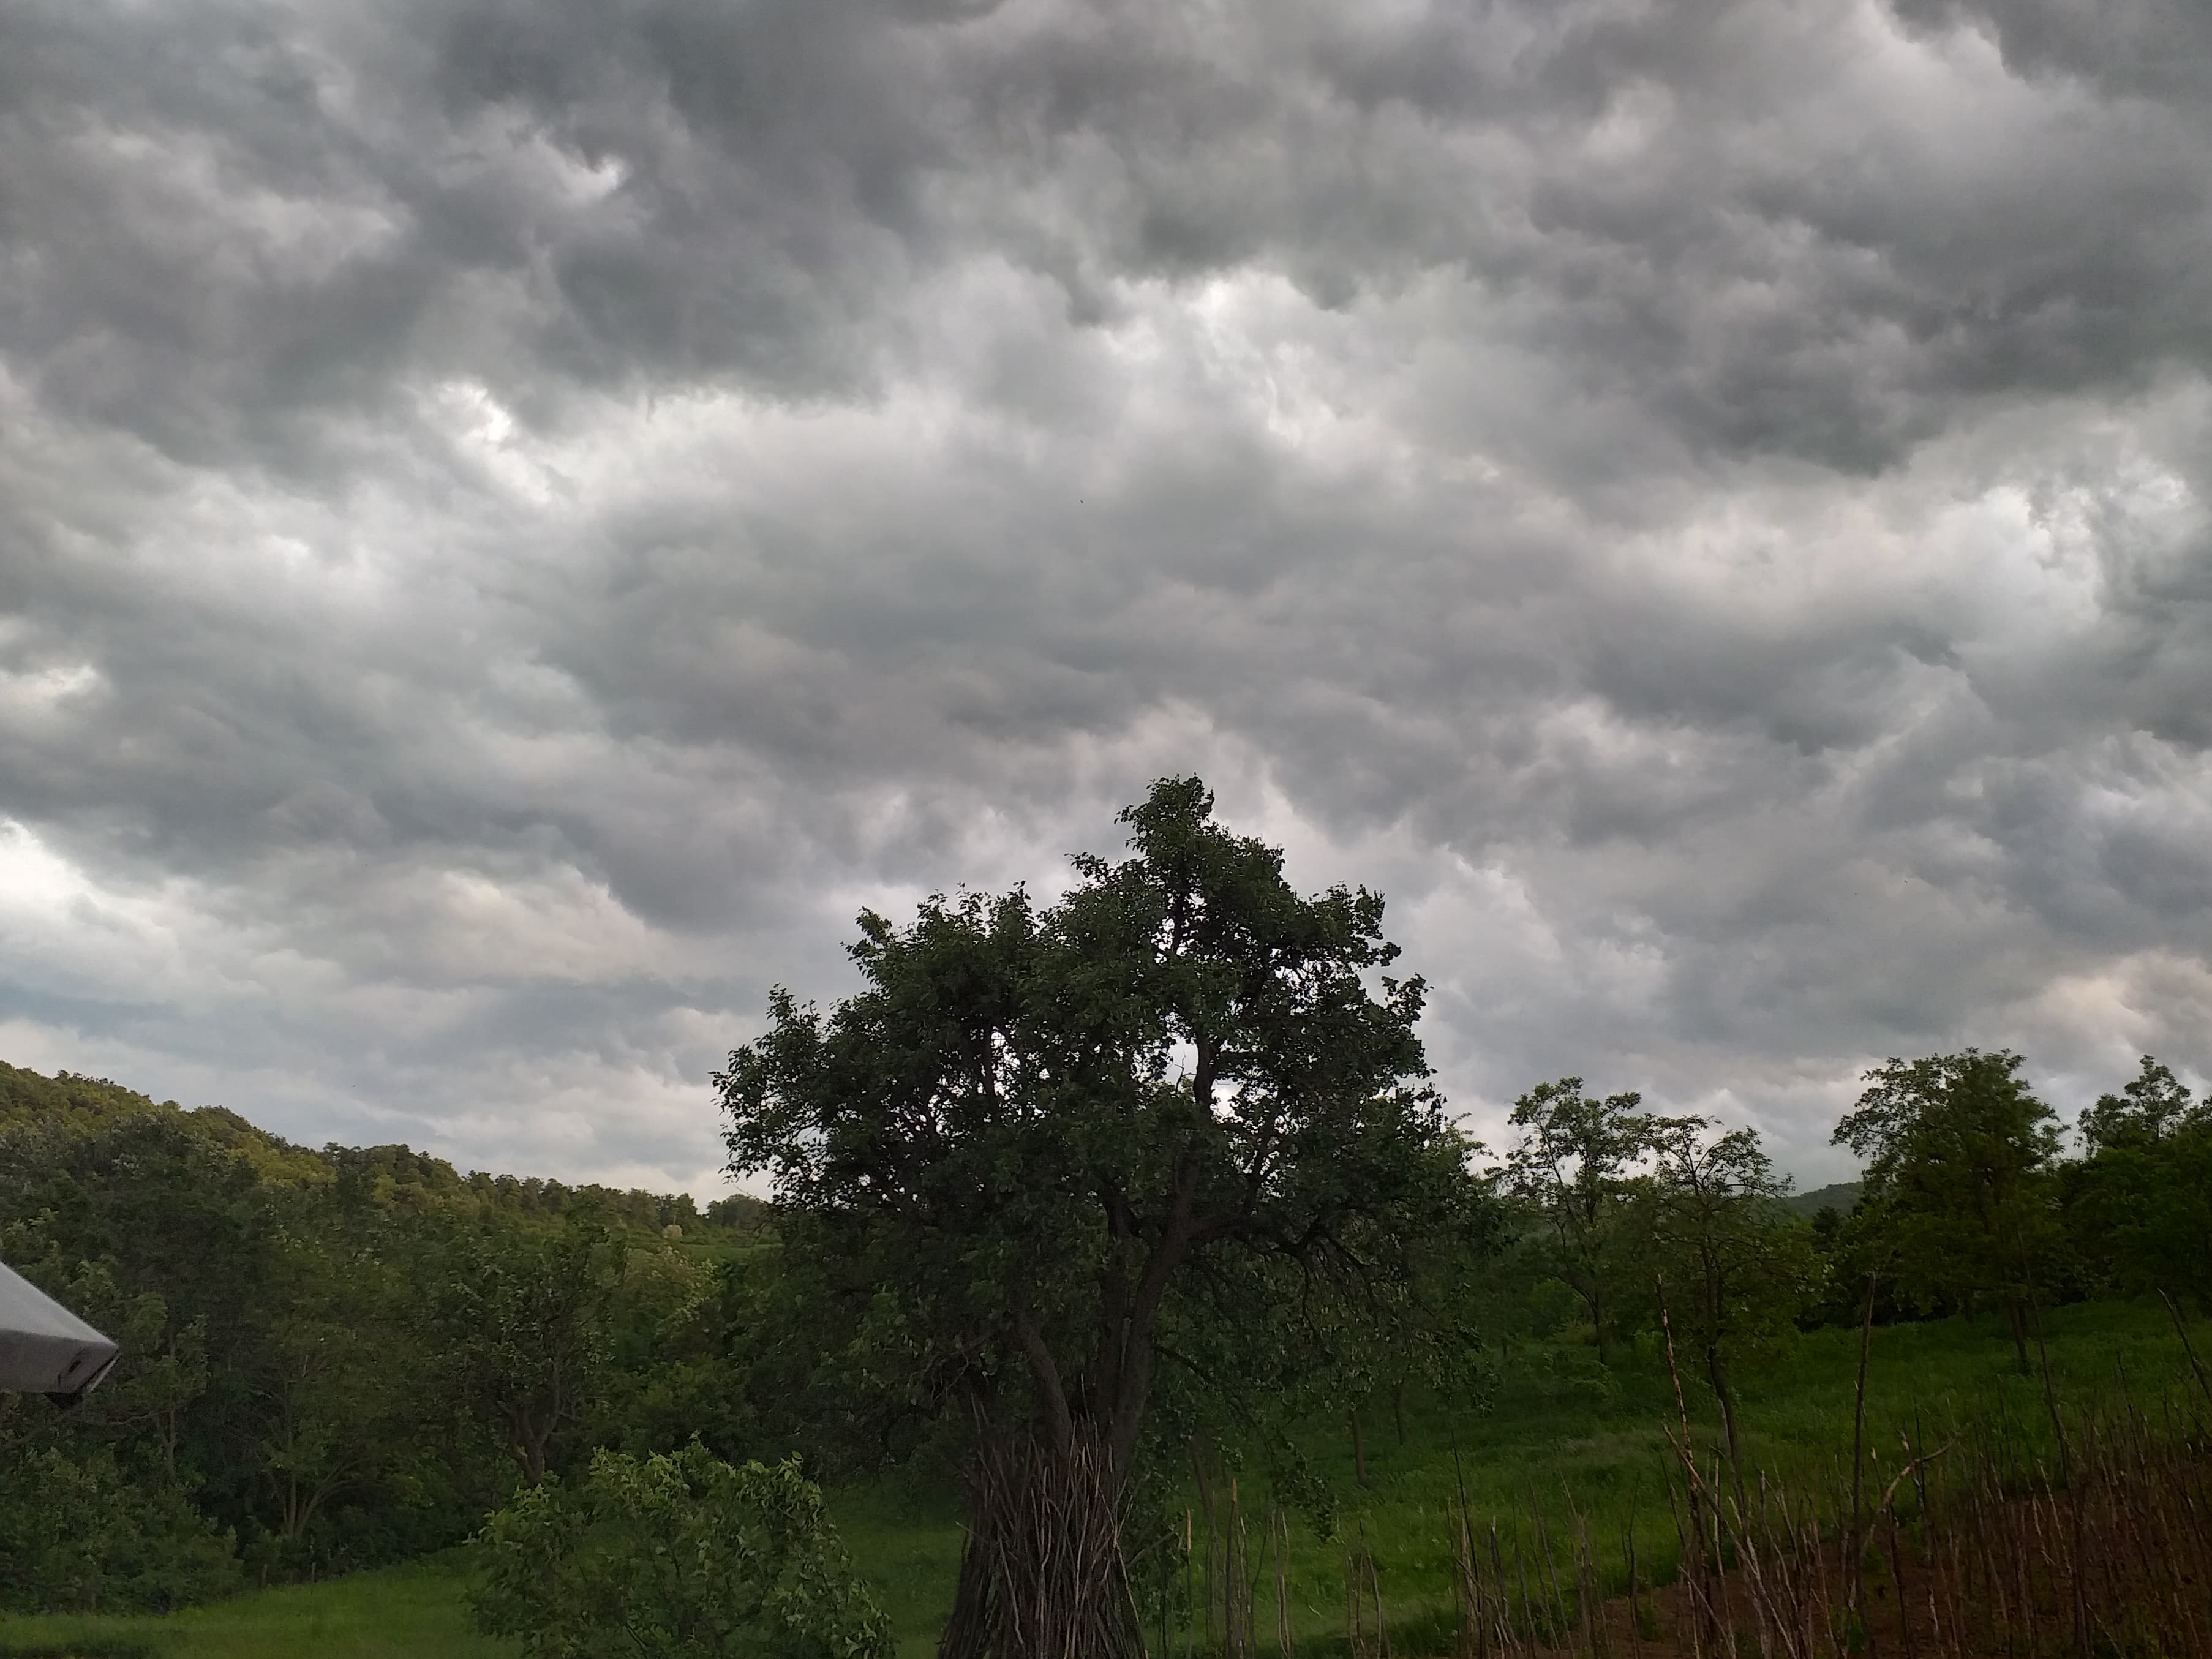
<point>1047,1372</point>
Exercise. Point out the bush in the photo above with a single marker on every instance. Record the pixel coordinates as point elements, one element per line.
<point>677,1556</point>
<point>78,1535</point>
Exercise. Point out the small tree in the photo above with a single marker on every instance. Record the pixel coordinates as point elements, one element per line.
<point>520,1320</point>
<point>1570,1167</point>
<point>2139,1205</point>
<point>1049,1155</point>
<point>1738,1266</point>
<point>675,1557</point>
<point>1959,1194</point>
<point>2148,1111</point>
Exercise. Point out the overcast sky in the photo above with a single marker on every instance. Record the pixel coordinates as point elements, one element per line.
<point>518,517</point>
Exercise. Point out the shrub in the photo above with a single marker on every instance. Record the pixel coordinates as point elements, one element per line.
<point>676,1556</point>
<point>78,1535</point>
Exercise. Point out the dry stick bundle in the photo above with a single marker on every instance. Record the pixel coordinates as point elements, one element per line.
<point>1508,1637</point>
<point>1555,1609</point>
<point>1047,1546</point>
<point>1189,1590</point>
<point>1206,1576</point>
<point>1856,1547</point>
<point>1698,1613</point>
<point>1234,1623</point>
<point>1903,1590</point>
<point>1355,1622</point>
<point>2181,1330</point>
<point>1724,1605</point>
<point>1236,1588</point>
<point>1279,1531</point>
<point>1590,1593</point>
<point>1767,1615</point>
<point>1475,1628</point>
<point>1635,1606</point>
<point>1363,1593</point>
<point>1467,1578</point>
<point>1694,1534</point>
<point>1363,1590</point>
<point>1521,1571</point>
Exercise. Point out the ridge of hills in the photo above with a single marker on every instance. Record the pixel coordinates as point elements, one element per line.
<point>394,1176</point>
<point>1839,1196</point>
<point>398,1174</point>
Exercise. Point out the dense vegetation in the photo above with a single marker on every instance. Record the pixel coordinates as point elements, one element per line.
<point>330,1359</point>
<point>1094,1212</point>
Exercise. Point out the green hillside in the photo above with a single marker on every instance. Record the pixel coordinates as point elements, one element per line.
<point>1839,1196</point>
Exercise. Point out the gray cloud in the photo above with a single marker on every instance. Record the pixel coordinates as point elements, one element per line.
<point>515,520</point>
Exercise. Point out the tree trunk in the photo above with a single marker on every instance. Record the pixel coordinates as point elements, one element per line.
<point>1041,1574</point>
<point>1358,1450</point>
<point>2018,1314</point>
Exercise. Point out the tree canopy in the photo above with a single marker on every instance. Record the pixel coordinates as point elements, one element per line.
<point>1061,1148</point>
<point>1958,1187</point>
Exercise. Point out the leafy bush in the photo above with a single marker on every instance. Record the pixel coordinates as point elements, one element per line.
<point>676,1556</point>
<point>77,1533</point>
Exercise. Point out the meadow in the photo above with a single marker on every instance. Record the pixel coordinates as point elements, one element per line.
<point>1561,1449</point>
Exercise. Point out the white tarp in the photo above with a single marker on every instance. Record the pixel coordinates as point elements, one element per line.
<point>43,1347</point>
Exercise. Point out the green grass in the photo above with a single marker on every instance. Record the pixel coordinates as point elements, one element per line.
<point>1563,1438</point>
<point>411,1612</point>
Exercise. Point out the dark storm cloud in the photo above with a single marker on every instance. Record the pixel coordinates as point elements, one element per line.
<point>231,221</point>
<point>518,518</point>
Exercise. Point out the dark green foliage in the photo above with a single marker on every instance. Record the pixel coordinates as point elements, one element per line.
<point>94,1509</point>
<point>1737,1266</point>
<point>329,1358</point>
<point>1161,1153</point>
<point>2147,1113</point>
<point>1960,1195</point>
<point>2140,1205</point>
<point>1570,1171</point>
<point>1014,1147</point>
<point>520,1323</point>
<point>678,1556</point>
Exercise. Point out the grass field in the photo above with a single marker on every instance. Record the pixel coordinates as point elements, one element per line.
<point>412,1610</point>
<point>1562,1440</point>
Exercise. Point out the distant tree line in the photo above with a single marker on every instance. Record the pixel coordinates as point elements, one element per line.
<point>1968,1204</point>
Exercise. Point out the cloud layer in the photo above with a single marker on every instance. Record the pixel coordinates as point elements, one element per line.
<point>516,519</point>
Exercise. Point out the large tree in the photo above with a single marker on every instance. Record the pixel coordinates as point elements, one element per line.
<point>1063,1157</point>
<point>1959,1203</point>
<point>2140,1202</point>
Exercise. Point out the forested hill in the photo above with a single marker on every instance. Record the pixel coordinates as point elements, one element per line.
<point>75,1105</point>
<point>330,1357</point>
<point>1839,1197</point>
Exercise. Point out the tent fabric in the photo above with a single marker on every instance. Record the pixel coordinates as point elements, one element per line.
<point>43,1347</point>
